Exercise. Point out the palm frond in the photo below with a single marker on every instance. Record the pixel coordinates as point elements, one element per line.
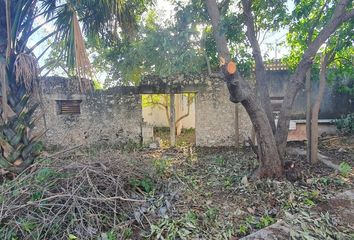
<point>26,70</point>
<point>83,65</point>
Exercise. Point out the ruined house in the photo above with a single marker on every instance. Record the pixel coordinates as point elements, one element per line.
<point>114,116</point>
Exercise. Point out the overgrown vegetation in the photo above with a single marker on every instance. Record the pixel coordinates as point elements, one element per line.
<point>109,193</point>
<point>345,124</point>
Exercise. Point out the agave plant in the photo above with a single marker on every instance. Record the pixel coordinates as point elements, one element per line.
<point>18,64</point>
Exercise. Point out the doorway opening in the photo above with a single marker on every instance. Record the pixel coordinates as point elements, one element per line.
<point>163,112</point>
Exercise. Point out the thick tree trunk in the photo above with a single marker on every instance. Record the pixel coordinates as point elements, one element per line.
<point>270,164</point>
<point>241,91</point>
<point>316,109</point>
<point>308,113</point>
<point>339,16</point>
<point>261,80</point>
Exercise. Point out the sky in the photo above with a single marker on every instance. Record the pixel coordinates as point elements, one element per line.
<point>270,46</point>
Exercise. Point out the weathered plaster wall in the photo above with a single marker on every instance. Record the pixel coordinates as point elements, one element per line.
<point>214,113</point>
<point>112,116</point>
<point>156,114</point>
<point>216,117</point>
<point>333,105</point>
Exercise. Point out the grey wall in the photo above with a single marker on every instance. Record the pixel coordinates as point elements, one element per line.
<point>112,117</point>
<point>333,104</point>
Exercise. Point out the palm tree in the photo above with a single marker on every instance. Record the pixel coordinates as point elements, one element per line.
<point>18,64</point>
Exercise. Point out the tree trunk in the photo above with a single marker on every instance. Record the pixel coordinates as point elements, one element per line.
<point>237,132</point>
<point>308,114</point>
<point>270,164</point>
<point>172,121</point>
<point>18,145</point>
<point>261,80</point>
<point>316,109</point>
<point>241,91</point>
<point>339,16</point>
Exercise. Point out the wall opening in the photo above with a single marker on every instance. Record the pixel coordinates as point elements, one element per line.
<point>69,107</point>
<point>156,113</point>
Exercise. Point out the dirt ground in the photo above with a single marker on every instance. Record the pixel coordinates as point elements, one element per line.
<point>172,193</point>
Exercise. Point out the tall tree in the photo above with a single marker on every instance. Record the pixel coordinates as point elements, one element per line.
<point>269,16</point>
<point>272,146</point>
<point>304,26</point>
<point>241,91</point>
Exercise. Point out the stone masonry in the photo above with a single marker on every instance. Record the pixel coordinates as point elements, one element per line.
<point>114,116</point>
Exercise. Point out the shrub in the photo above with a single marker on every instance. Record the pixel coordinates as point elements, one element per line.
<point>345,124</point>
<point>344,169</point>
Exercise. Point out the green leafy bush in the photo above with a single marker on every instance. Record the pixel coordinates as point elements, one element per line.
<point>145,184</point>
<point>345,124</point>
<point>345,169</point>
<point>243,230</point>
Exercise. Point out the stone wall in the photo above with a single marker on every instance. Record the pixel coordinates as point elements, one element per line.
<point>112,117</point>
<point>214,112</point>
<point>215,118</point>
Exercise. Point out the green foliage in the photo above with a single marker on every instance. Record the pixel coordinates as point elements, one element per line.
<point>175,229</point>
<point>243,229</point>
<point>36,196</point>
<point>309,199</point>
<point>212,213</point>
<point>345,124</point>
<point>252,222</point>
<point>156,100</point>
<point>157,51</point>
<point>146,184</point>
<point>162,166</point>
<point>127,233</point>
<point>44,174</point>
<point>308,202</point>
<point>28,226</point>
<point>345,169</point>
<point>307,20</point>
<point>220,160</point>
<point>72,237</point>
<point>265,221</point>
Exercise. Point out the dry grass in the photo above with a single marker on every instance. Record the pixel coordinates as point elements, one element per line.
<point>71,196</point>
<point>199,194</point>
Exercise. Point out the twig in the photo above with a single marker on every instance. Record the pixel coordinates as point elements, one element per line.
<point>64,151</point>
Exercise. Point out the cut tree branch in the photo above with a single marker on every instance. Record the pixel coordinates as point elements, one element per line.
<point>241,91</point>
